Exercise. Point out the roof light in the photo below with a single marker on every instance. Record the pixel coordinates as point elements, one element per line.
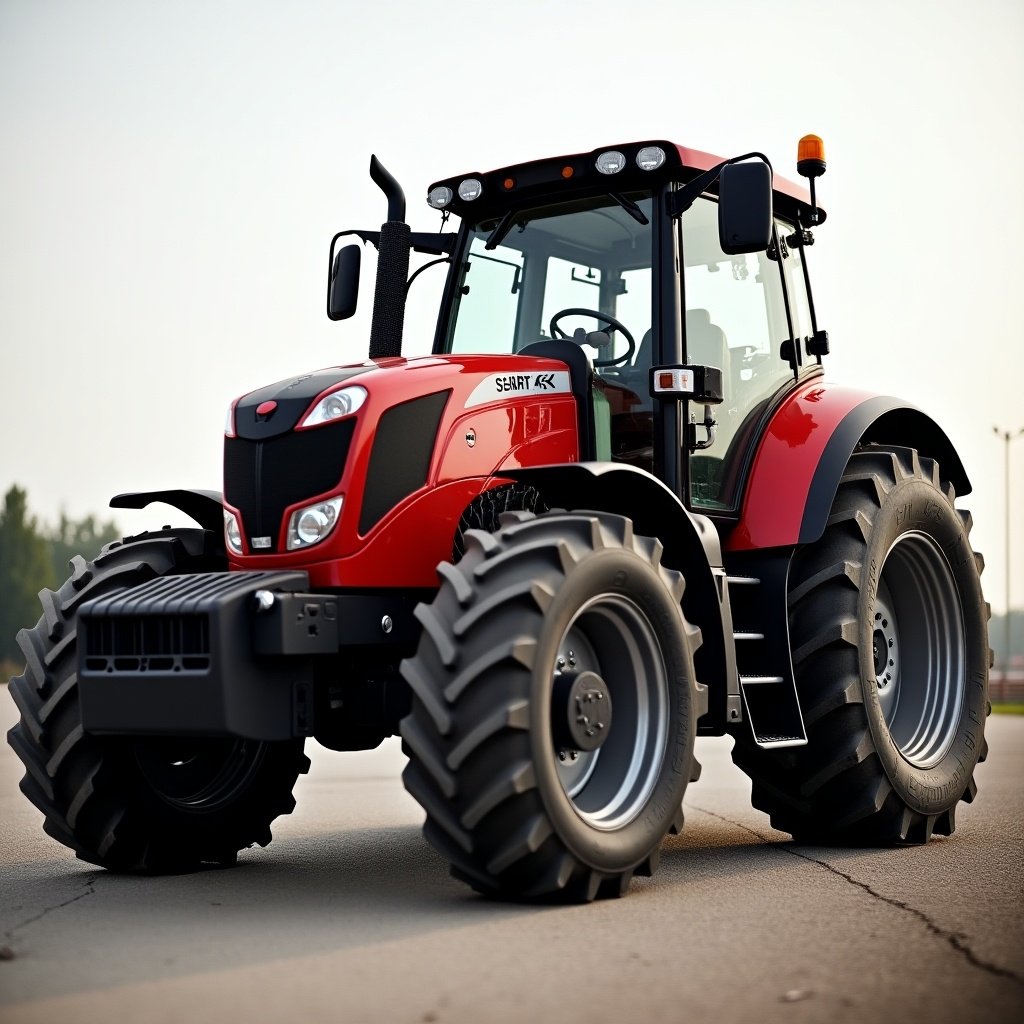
<point>650,158</point>
<point>610,162</point>
<point>810,156</point>
<point>470,189</point>
<point>439,197</point>
<point>568,171</point>
<point>508,184</point>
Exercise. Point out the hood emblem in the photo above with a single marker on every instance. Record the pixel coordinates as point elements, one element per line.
<point>266,409</point>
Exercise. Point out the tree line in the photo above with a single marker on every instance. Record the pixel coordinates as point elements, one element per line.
<point>34,555</point>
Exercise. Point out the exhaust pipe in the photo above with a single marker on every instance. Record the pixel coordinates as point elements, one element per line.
<point>392,268</point>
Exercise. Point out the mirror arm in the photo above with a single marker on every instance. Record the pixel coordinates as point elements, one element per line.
<point>682,199</point>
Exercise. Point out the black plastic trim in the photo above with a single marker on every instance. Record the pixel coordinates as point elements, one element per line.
<point>400,459</point>
<point>205,507</point>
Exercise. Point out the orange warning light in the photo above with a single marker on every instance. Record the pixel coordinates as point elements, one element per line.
<point>567,171</point>
<point>508,184</point>
<point>810,156</point>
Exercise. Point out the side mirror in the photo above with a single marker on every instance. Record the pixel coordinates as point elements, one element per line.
<point>343,287</point>
<point>745,208</point>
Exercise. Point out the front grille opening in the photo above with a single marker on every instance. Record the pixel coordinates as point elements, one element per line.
<point>151,643</point>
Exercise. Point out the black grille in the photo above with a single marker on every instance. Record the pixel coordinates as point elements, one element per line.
<point>166,643</point>
<point>262,478</point>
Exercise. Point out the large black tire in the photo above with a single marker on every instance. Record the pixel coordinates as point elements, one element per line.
<point>147,804</point>
<point>515,800</point>
<point>889,633</point>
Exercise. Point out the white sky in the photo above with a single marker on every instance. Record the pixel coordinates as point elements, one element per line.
<point>171,174</point>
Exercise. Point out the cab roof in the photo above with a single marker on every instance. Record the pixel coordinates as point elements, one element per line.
<point>564,176</point>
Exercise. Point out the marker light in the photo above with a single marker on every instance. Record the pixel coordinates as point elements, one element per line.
<point>310,525</point>
<point>229,421</point>
<point>650,158</point>
<point>439,197</point>
<point>335,405</point>
<point>567,171</point>
<point>810,156</point>
<point>232,533</point>
<point>508,184</point>
<point>470,189</point>
<point>610,162</point>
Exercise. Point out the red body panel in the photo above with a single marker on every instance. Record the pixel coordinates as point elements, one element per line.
<point>785,463</point>
<point>702,161</point>
<point>404,547</point>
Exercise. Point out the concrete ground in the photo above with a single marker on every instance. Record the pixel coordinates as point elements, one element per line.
<point>349,916</point>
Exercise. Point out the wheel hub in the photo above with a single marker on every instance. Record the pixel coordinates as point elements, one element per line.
<point>581,711</point>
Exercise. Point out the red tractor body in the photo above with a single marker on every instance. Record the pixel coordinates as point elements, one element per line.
<point>548,555</point>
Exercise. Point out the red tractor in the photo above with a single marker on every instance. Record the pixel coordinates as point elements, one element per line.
<point>618,507</point>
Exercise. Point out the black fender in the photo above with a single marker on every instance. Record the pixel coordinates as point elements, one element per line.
<point>205,507</point>
<point>691,545</point>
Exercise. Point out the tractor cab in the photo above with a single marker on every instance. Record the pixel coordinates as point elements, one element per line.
<point>578,258</point>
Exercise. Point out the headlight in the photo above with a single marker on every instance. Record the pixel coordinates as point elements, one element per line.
<point>312,524</point>
<point>335,405</point>
<point>469,189</point>
<point>232,533</point>
<point>439,197</point>
<point>650,158</point>
<point>610,162</point>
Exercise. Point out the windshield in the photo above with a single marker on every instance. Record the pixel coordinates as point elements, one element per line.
<point>592,254</point>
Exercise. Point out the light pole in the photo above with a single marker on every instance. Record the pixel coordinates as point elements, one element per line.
<point>1006,436</point>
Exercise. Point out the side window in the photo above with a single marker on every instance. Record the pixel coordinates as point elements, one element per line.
<point>735,320</point>
<point>796,286</point>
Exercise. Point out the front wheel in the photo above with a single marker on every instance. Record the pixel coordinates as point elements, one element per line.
<point>888,629</point>
<point>554,706</point>
<point>148,804</point>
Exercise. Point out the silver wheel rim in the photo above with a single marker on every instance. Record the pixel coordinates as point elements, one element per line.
<point>609,787</point>
<point>918,649</point>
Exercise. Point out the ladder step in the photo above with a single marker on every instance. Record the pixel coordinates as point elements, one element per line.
<point>760,680</point>
<point>748,636</point>
<point>743,580</point>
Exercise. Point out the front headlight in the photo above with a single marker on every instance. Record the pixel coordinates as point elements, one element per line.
<point>335,405</point>
<point>310,525</point>
<point>232,533</point>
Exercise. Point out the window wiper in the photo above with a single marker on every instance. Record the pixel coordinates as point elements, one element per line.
<point>630,207</point>
<point>504,226</point>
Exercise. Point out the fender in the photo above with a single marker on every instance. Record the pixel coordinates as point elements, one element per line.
<point>803,453</point>
<point>205,507</point>
<point>691,545</point>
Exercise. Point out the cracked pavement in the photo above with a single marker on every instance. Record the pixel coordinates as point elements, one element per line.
<point>348,915</point>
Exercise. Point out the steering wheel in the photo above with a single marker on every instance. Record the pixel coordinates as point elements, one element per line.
<point>604,318</point>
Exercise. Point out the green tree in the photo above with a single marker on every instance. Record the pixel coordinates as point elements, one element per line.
<point>78,537</point>
<point>25,568</point>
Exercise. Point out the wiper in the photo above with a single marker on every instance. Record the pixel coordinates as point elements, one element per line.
<point>630,207</point>
<point>504,226</point>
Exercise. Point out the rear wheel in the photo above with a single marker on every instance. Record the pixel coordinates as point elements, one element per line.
<point>137,803</point>
<point>888,629</point>
<point>554,708</point>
